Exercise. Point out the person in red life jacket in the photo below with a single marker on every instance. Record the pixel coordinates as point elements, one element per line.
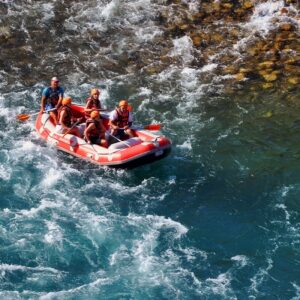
<point>92,103</point>
<point>121,121</point>
<point>66,122</point>
<point>94,132</point>
<point>51,98</point>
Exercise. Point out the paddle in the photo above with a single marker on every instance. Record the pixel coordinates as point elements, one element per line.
<point>152,127</point>
<point>25,117</point>
<point>77,122</point>
<point>118,139</point>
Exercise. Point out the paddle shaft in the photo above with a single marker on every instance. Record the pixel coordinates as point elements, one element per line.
<point>118,139</point>
<point>71,128</point>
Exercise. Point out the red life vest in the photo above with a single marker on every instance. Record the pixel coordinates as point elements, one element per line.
<point>97,131</point>
<point>67,120</point>
<point>123,118</point>
<point>92,104</point>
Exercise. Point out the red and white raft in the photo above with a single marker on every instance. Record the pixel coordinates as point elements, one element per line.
<point>144,148</point>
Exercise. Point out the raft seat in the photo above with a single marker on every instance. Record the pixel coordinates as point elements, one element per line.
<point>125,144</point>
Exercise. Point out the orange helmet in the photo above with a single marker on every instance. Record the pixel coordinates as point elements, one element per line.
<point>123,103</point>
<point>95,114</point>
<point>67,101</point>
<point>95,92</point>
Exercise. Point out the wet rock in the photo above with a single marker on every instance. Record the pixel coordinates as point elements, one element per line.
<point>294,80</point>
<point>217,38</point>
<point>240,76</point>
<point>248,5</point>
<point>283,11</point>
<point>286,27</point>
<point>266,65</point>
<point>5,31</point>
<point>196,40</point>
<point>292,69</point>
<point>230,70</point>
<point>268,114</point>
<point>227,5</point>
<point>270,77</point>
<point>268,85</point>
<point>245,70</point>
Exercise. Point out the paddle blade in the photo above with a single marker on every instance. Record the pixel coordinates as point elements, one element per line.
<point>129,107</point>
<point>23,117</point>
<point>152,127</point>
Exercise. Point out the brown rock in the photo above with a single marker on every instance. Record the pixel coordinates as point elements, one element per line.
<point>217,38</point>
<point>230,70</point>
<point>216,6</point>
<point>245,70</point>
<point>286,27</point>
<point>239,76</point>
<point>227,5</point>
<point>183,26</point>
<point>247,4</point>
<point>284,11</point>
<point>266,65</point>
<point>197,40</point>
<point>267,85</point>
<point>270,77</point>
<point>294,80</point>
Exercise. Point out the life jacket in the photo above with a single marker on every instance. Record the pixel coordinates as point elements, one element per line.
<point>67,117</point>
<point>53,97</point>
<point>92,104</point>
<point>97,131</point>
<point>123,118</point>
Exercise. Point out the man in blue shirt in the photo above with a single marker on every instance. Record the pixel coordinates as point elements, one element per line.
<point>51,98</point>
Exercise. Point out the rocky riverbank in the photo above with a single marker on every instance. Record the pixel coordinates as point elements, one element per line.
<point>252,44</point>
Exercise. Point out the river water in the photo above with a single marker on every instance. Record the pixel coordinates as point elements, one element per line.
<point>216,219</point>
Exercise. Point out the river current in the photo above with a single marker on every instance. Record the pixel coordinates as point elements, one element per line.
<point>219,218</point>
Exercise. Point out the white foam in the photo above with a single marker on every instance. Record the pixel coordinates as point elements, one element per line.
<point>219,285</point>
<point>147,34</point>
<point>159,222</point>
<point>284,208</point>
<point>48,11</point>
<point>208,68</point>
<point>182,47</point>
<point>260,276</point>
<point>193,5</point>
<point>54,233</point>
<point>261,19</point>
<point>297,290</point>
<point>5,172</point>
<point>285,190</point>
<point>52,176</point>
<point>186,145</point>
<point>85,288</point>
<point>241,260</point>
<point>192,253</point>
<point>35,210</point>
<point>12,268</point>
<point>109,10</point>
<point>144,91</point>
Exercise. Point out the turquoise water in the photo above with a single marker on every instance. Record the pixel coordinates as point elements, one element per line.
<point>217,219</point>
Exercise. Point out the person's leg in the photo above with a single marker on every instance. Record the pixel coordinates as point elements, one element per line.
<point>104,143</point>
<point>53,115</point>
<point>100,141</point>
<point>75,131</point>
<point>129,132</point>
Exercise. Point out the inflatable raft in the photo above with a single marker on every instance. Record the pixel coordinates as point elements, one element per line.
<point>146,147</point>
